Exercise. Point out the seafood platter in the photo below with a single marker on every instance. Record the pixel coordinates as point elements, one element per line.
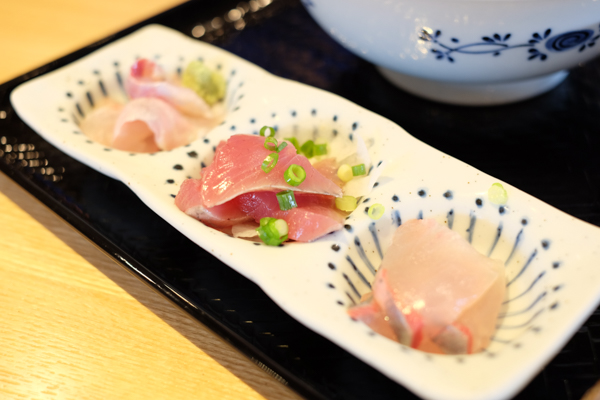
<point>439,277</point>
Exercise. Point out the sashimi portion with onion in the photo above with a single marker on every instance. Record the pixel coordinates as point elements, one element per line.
<point>235,189</point>
<point>315,215</point>
<point>161,113</point>
<point>434,291</point>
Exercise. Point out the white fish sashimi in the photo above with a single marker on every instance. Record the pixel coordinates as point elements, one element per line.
<point>182,98</point>
<point>150,124</point>
<point>99,124</point>
<point>434,291</point>
<point>160,114</point>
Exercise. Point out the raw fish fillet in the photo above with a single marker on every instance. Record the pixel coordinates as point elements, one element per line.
<point>314,217</point>
<point>236,170</point>
<point>148,80</point>
<point>189,200</point>
<point>150,124</point>
<point>434,291</point>
<point>160,115</point>
<point>99,124</point>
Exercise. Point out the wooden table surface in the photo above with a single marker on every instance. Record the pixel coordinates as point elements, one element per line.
<point>73,324</point>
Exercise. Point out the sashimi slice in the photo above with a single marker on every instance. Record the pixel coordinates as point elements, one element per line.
<point>189,200</point>
<point>313,218</point>
<point>406,324</point>
<point>371,314</point>
<point>147,70</point>
<point>99,124</point>
<point>433,283</point>
<point>237,170</point>
<point>328,167</point>
<point>149,125</point>
<point>145,81</point>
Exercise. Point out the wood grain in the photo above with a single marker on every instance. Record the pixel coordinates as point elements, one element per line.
<point>75,325</point>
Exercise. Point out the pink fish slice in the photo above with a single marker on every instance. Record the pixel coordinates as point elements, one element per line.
<point>237,170</point>
<point>147,80</point>
<point>314,217</point>
<point>149,125</point>
<point>189,200</point>
<point>432,283</point>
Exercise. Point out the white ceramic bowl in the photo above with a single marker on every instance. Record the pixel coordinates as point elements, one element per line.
<point>472,52</point>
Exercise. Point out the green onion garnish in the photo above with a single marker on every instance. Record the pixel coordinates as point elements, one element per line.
<point>286,200</point>
<point>294,141</point>
<point>271,143</point>
<point>281,146</point>
<point>320,149</point>
<point>294,175</point>
<point>273,231</point>
<point>346,203</point>
<point>345,173</point>
<point>263,130</point>
<point>376,211</point>
<point>308,148</point>
<point>269,162</point>
<point>497,194</point>
<point>265,221</point>
<point>359,170</point>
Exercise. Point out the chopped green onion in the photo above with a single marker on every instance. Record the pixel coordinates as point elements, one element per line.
<point>271,144</point>
<point>265,221</point>
<point>359,170</point>
<point>308,148</point>
<point>320,149</point>
<point>282,227</point>
<point>345,173</point>
<point>269,162</point>
<point>346,203</point>
<point>497,194</point>
<point>294,141</point>
<point>281,146</point>
<point>273,231</point>
<point>376,211</point>
<point>294,175</point>
<point>286,200</point>
<point>263,130</point>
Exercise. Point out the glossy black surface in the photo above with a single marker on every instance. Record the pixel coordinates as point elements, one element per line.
<point>548,146</point>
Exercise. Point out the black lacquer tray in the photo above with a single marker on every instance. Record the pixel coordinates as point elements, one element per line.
<point>548,147</point>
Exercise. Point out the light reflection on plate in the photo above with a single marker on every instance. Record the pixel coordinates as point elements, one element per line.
<point>551,258</point>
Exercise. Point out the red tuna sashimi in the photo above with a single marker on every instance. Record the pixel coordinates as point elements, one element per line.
<point>237,170</point>
<point>433,284</point>
<point>314,217</point>
<point>148,80</point>
<point>189,200</point>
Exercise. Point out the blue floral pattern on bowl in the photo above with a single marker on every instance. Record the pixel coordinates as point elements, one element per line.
<point>497,43</point>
